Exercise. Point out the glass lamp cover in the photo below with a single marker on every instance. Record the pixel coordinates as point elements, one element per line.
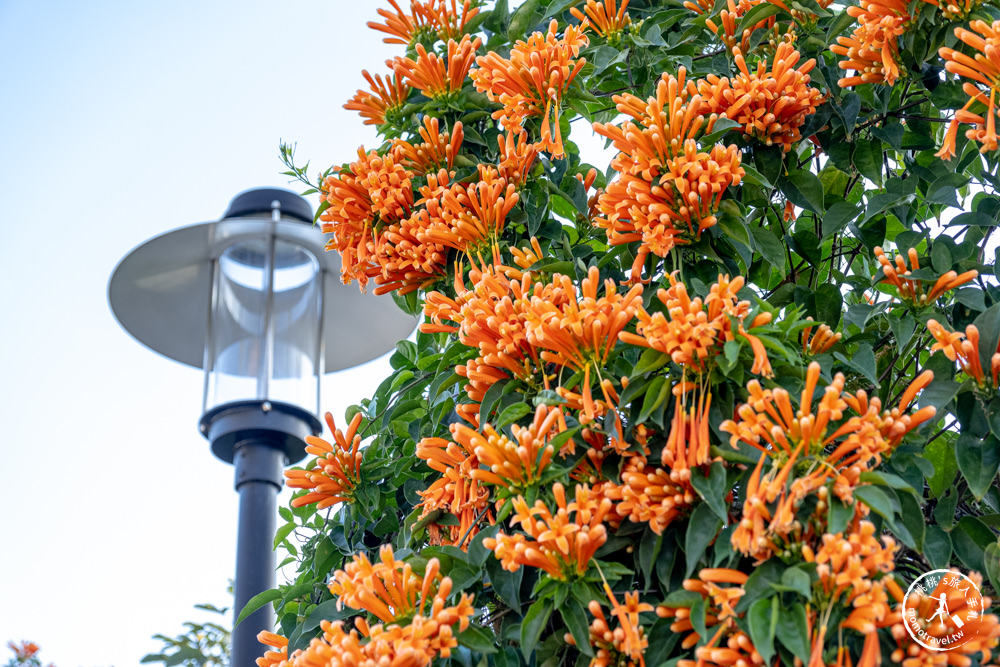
<point>265,328</point>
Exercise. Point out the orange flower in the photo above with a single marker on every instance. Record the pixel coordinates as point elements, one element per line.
<point>386,98</point>
<point>533,80</point>
<point>560,546</point>
<point>873,50</point>
<point>446,17</point>
<point>693,332</point>
<point>606,17</point>
<point>24,651</point>
<point>832,448</point>
<point>517,156</point>
<point>667,190</point>
<point>821,341</point>
<point>417,625</point>
<point>491,317</point>
<point>729,19</point>
<point>625,645</point>
<point>335,472</point>
<point>403,28</point>
<point>983,69</point>
<point>580,333</point>
<point>472,216</point>
<point>273,658</point>
<point>651,494</point>
<point>912,291</point>
<point>982,629</point>
<point>728,645</point>
<point>438,78</point>
<point>389,589</point>
<point>350,218</point>
<point>965,350</point>
<point>455,492</point>
<point>512,466</point>
<point>770,105</point>
<point>437,151</point>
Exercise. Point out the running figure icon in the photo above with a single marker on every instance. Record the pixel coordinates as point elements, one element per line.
<point>942,609</point>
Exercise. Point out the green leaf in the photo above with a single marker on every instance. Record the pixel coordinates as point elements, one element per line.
<point>793,630</point>
<point>829,304</point>
<point>910,520</point>
<point>763,622</point>
<point>838,215</point>
<point>657,393</point>
<point>839,516</point>
<point>991,559</point>
<point>713,488</point>
<point>876,499</point>
<point>978,460</point>
<point>903,326</point>
<point>988,324</point>
<point>512,413</point>
<point>702,529</point>
<point>937,547</point>
<point>803,188</point>
<point>769,246</point>
<point>650,360</point>
<point>575,618</point>
<point>506,585</point>
<point>519,22</point>
<point>868,160</point>
<point>258,601</point>
<point>970,538</point>
<point>533,624</point>
<point>478,639</point>
<point>756,15</point>
<point>797,580</point>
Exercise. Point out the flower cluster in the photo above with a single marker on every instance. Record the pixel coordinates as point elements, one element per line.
<point>438,78</point>
<point>561,546</point>
<point>428,20</point>
<point>335,473</point>
<point>693,331</point>
<point>533,80</point>
<point>770,106</point>
<point>983,69</point>
<point>625,645</point>
<point>873,50</point>
<point>965,350</point>
<point>606,17</point>
<point>912,290</point>
<point>822,441</point>
<point>382,101</point>
<point>667,189</point>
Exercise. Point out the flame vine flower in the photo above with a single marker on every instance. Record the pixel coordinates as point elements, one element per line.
<point>770,106</point>
<point>455,491</point>
<point>490,316</point>
<point>818,444</point>
<point>511,466</point>
<point>692,332</point>
<point>438,78</point>
<point>965,350</point>
<point>335,472</point>
<point>912,291</point>
<point>426,22</point>
<point>625,645</point>
<point>667,189</point>
<point>555,543</point>
<point>383,102</point>
<point>533,80</point>
<point>983,69</point>
<point>606,17</point>
<point>580,332</point>
<point>728,645</point>
<point>417,622</point>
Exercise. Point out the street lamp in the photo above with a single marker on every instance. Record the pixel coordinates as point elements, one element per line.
<point>255,301</point>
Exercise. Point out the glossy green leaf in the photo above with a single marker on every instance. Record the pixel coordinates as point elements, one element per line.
<point>713,488</point>
<point>978,460</point>
<point>793,631</point>
<point>763,623</point>
<point>533,625</point>
<point>702,529</point>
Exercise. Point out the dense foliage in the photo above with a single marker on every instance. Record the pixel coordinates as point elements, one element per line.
<point>718,402</point>
<point>206,644</point>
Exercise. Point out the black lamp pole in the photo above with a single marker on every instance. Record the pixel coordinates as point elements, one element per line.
<point>259,438</point>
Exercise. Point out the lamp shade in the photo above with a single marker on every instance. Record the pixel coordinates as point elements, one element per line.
<point>254,300</point>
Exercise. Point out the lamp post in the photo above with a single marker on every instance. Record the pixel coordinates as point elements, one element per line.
<point>254,301</point>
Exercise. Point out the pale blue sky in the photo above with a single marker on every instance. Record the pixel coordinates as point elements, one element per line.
<point>119,121</point>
